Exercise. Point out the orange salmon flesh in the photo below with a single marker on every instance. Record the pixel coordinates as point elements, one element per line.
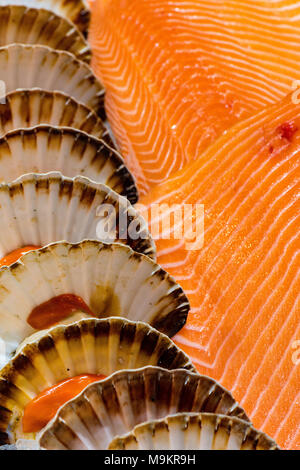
<point>202,100</point>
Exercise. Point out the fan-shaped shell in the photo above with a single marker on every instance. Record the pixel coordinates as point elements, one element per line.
<point>43,149</point>
<point>76,11</point>
<point>41,209</point>
<point>28,66</point>
<point>112,280</point>
<point>29,108</point>
<point>190,431</point>
<point>23,25</point>
<point>86,347</point>
<point>116,405</point>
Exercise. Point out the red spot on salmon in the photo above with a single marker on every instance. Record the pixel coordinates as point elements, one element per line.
<point>287,130</point>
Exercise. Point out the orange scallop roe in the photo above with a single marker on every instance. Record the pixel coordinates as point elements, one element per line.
<point>56,309</point>
<point>44,406</point>
<point>14,255</point>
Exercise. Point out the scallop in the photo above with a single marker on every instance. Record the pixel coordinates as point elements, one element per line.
<point>34,66</point>
<point>22,25</point>
<point>76,11</point>
<point>41,209</point>
<point>43,149</point>
<point>31,107</point>
<point>89,346</point>
<point>106,279</point>
<point>116,405</point>
<point>195,431</point>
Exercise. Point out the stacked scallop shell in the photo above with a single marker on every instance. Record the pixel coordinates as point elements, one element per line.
<point>63,187</point>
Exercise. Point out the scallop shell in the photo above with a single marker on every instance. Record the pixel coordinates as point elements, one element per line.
<point>195,431</point>
<point>22,25</point>
<point>76,11</point>
<point>28,108</point>
<point>27,66</point>
<point>42,149</point>
<point>41,209</point>
<point>86,347</point>
<point>116,405</point>
<point>113,280</point>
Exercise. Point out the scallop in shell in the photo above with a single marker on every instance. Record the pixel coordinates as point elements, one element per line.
<point>31,66</point>
<point>195,431</point>
<point>116,405</point>
<point>42,149</point>
<point>90,346</point>
<point>109,280</point>
<point>22,25</point>
<point>29,108</point>
<point>76,11</point>
<point>41,209</point>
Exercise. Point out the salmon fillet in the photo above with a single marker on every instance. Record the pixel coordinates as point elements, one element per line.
<point>244,283</point>
<point>179,73</point>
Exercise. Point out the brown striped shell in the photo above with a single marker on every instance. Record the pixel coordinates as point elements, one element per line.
<point>89,346</point>
<point>111,279</point>
<point>26,208</point>
<point>22,25</point>
<point>195,431</point>
<point>116,405</point>
<point>42,149</point>
<point>31,107</point>
<point>33,66</point>
<point>76,11</point>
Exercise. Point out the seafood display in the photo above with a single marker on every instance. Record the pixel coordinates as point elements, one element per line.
<point>113,115</point>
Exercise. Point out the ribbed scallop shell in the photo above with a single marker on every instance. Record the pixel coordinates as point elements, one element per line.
<point>28,108</point>
<point>76,11</point>
<point>86,347</point>
<point>27,66</point>
<point>113,280</point>
<point>43,149</point>
<point>115,406</point>
<point>195,431</point>
<point>41,209</point>
<point>22,25</point>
